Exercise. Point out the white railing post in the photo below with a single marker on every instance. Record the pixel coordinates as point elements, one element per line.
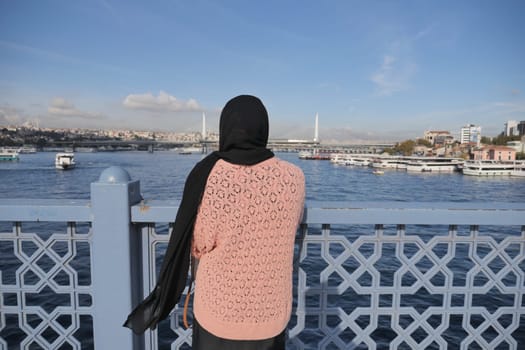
<point>111,199</point>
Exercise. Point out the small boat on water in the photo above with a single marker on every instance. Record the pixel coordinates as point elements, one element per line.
<point>378,172</point>
<point>8,154</point>
<point>65,161</point>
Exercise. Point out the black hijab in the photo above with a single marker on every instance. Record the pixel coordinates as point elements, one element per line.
<point>242,140</point>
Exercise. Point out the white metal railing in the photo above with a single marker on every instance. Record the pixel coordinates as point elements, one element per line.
<point>435,281</point>
<point>368,275</point>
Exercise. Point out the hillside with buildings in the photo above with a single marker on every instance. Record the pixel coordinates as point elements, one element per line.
<point>509,145</point>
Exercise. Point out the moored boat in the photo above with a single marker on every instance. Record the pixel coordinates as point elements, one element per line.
<point>336,158</point>
<point>488,168</point>
<point>389,163</point>
<point>8,154</point>
<point>27,149</point>
<point>65,161</point>
<point>434,165</point>
<point>351,159</point>
<point>519,169</point>
<point>314,155</point>
<point>361,161</point>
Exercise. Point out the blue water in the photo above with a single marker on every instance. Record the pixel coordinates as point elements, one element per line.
<point>162,175</point>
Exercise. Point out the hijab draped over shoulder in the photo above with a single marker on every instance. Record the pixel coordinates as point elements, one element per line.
<point>243,138</point>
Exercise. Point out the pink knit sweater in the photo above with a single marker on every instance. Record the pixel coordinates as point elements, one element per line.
<point>244,237</point>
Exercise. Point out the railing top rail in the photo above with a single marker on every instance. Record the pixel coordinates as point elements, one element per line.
<point>155,211</point>
<point>415,213</point>
<point>45,210</point>
<point>387,212</point>
<point>384,212</point>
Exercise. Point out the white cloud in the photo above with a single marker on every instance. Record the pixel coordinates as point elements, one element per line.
<point>161,103</point>
<point>59,107</point>
<point>393,75</point>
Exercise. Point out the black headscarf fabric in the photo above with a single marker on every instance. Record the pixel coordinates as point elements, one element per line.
<point>242,140</point>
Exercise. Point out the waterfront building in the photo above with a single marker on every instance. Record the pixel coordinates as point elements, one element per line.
<point>519,146</point>
<point>499,153</point>
<point>470,133</point>
<point>521,128</point>
<point>439,137</point>
<point>511,128</point>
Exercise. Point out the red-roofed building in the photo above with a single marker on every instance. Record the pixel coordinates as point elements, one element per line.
<point>502,153</point>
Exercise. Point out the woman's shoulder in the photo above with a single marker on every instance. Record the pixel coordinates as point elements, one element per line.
<point>269,165</point>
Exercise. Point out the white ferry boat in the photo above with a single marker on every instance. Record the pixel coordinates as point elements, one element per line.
<point>434,165</point>
<point>488,168</point>
<point>519,169</point>
<point>27,149</point>
<point>389,163</point>
<point>350,159</point>
<point>518,172</point>
<point>336,158</point>
<point>65,161</point>
<point>85,149</point>
<point>361,161</point>
<point>8,154</point>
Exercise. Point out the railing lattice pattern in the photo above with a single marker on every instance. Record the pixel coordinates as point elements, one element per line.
<point>396,289</point>
<point>45,288</point>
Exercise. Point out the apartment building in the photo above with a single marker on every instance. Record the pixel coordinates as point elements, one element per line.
<point>470,134</point>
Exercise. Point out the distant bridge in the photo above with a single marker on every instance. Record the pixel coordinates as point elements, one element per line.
<point>283,145</point>
<point>276,144</point>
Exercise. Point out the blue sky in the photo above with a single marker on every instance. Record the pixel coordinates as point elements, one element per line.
<point>373,70</point>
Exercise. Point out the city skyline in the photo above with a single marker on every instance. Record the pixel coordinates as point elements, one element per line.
<point>373,71</point>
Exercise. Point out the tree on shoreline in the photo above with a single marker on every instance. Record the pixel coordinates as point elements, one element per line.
<point>500,140</point>
<point>405,148</point>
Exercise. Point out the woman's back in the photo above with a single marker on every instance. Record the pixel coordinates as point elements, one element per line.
<point>244,237</point>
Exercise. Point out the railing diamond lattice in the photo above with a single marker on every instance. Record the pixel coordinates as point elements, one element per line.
<point>45,288</point>
<point>427,289</point>
<point>71,270</point>
<point>375,287</point>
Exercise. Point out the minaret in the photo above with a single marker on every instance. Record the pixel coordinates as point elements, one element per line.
<point>203,127</point>
<point>316,130</point>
